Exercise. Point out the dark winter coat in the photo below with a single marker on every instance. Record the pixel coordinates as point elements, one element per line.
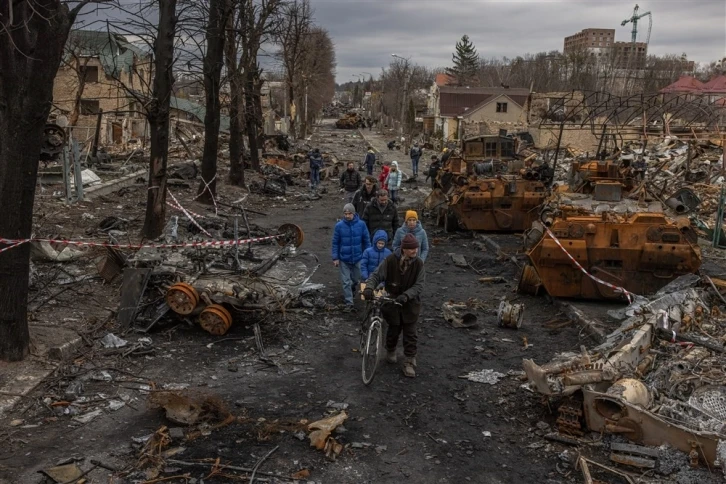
<point>370,159</point>
<point>381,218</point>
<point>316,161</point>
<point>362,198</point>
<point>350,180</point>
<point>410,283</point>
<point>350,239</point>
<point>373,256</point>
<point>415,153</point>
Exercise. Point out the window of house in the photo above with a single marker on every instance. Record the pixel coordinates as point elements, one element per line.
<point>90,106</point>
<point>501,107</point>
<point>507,149</point>
<point>490,149</point>
<point>89,73</point>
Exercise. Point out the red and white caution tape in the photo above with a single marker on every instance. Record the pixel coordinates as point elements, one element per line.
<point>188,215</point>
<point>627,293</point>
<point>12,243</point>
<point>178,207</point>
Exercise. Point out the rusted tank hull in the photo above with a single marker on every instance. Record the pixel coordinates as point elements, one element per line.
<point>497,204</point>
<point>641,254</point>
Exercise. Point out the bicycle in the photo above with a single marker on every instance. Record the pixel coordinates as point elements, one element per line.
<point>371,337</point>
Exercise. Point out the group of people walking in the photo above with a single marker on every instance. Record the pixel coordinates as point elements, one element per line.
<point>360,256</point>
<point>370,245</point>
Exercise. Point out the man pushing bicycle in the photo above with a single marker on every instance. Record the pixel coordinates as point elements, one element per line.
<point>404,276</point>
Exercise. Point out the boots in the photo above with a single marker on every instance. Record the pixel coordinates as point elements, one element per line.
<point>408,365</point>
<point>391,356</point>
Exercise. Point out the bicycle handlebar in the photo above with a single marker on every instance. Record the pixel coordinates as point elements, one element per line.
<point>384,299</point>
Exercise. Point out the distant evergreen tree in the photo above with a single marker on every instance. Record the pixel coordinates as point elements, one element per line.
<point>466,62</point>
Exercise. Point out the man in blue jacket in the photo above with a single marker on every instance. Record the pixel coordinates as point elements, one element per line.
<point>316,163</point>
<point>350,240</point>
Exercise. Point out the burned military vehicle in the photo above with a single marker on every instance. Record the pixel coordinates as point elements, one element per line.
<point>600,245</point>
<point>484,187</point>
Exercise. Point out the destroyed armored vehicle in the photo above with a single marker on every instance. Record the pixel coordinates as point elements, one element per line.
<point>350,121</point>
<point>603,246</point>
<point>487,188</point>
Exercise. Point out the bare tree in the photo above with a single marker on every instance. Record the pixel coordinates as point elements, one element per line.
<point>219,11</point>
<point>296,22</point>
<point>236,107</point>
<point>260,24</point>
<point>158,116</point>
<point>32,36</point>
<point>316,74</point>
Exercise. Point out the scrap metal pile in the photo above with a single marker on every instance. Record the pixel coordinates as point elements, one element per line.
<point>659,379</point>
<point>217,285</point>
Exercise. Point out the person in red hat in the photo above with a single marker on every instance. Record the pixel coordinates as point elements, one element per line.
<point>404,276</point>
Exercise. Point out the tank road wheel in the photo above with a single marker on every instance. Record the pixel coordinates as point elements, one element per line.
<point>291,234</point>
<point>182,298</point>
<point>215,319</point>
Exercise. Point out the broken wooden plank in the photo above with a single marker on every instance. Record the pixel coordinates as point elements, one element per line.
<point>633,461</point>
<point>634,449</point>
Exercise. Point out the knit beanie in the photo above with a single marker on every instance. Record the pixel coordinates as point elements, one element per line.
<point>409,242</point>
<point>349,207</point>
<point>411,214</point>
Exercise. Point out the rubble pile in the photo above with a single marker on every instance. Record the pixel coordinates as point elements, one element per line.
<point>658,380</point>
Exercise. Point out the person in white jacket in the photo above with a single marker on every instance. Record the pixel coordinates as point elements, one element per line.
<point>394,181</point>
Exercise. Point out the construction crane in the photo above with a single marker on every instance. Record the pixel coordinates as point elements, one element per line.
<point>634,19</point>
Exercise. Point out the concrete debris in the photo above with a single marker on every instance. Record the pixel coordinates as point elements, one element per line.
<point>44,251</point>
<point>484,376</point>
<point>113,341</point>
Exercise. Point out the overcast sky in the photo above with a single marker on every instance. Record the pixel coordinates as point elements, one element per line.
<point>366,32</point>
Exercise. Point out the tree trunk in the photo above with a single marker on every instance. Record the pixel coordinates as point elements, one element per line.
<point>236,145</point>
<point>30,54</point>
<point>213,61</point>
<point>250,117</point>
<point>158,117</point>
<point>289,100</point>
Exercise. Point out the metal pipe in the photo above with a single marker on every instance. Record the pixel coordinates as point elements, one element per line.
<point>676,205</point>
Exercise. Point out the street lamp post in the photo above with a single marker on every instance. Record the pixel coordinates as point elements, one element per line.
<point>405,91</point>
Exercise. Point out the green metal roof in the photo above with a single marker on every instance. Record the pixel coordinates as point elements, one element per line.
<point>198,111</point>
<point>113,50</point>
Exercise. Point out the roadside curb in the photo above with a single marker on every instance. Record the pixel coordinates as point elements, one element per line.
<point>22,378</point>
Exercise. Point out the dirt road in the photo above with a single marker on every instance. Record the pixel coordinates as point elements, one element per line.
<point>437,427</point>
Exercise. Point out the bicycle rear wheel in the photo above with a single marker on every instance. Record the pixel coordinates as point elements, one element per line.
<point>371,353</point>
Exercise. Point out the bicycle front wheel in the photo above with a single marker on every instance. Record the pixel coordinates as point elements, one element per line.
<point>371,353</point>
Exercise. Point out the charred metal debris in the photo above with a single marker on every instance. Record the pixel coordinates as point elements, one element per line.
<point>216,286</point>
<point>658,380</point>
<point>621,221</point>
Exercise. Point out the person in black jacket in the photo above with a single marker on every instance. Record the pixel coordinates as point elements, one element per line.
<point>381,214</point>
<point>350,182</point>
<point>365,195</point>
<point>404,276</point>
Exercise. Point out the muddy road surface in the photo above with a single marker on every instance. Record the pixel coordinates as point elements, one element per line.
<point>435,428</point>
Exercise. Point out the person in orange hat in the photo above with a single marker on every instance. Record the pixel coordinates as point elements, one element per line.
<point>412,225</point>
